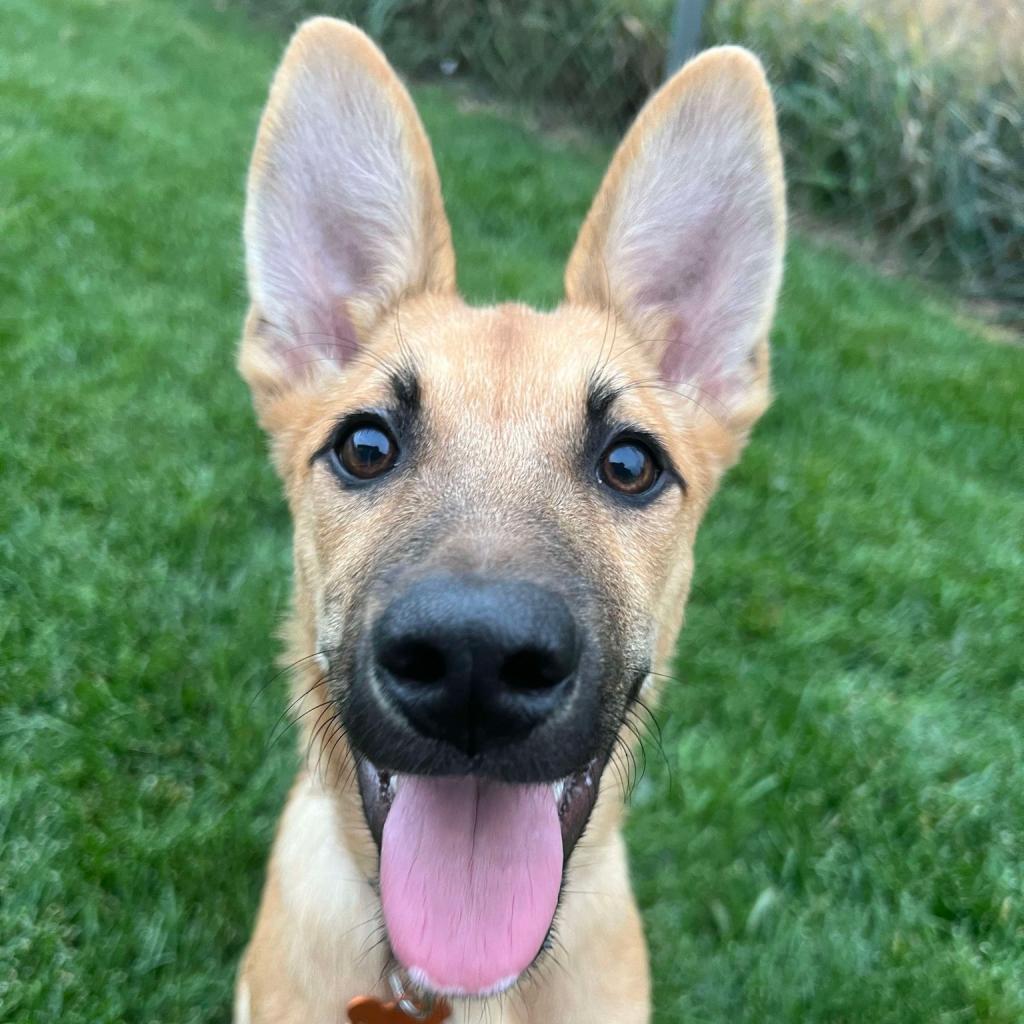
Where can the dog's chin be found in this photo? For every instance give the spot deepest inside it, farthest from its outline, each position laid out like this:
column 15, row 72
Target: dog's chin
column 515, row 829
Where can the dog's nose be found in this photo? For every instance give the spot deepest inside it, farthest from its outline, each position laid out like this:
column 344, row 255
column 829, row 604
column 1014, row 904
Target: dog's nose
column 476, row 663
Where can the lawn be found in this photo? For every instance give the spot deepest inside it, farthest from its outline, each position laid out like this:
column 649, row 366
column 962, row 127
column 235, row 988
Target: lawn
column 835, row 830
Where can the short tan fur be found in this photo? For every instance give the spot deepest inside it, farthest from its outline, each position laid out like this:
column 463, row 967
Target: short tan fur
column 670, row 293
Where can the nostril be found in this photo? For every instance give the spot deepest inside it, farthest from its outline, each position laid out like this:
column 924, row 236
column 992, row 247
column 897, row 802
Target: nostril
column 415, row 661
column 531, row 669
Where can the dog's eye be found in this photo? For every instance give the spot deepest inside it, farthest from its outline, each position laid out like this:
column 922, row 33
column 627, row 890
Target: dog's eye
column 365, row 451
column 629, row 467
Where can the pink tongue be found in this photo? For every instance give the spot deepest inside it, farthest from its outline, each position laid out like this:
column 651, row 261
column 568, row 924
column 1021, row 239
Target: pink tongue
column 469, row 876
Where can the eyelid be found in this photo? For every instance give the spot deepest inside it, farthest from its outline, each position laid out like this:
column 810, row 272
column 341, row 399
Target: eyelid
column 379, row 418
column 624, row 433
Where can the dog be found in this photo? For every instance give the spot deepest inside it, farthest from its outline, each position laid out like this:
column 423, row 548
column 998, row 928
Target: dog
column 494, row 515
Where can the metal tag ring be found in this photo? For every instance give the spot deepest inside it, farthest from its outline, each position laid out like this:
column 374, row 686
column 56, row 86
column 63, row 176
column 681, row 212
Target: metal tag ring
column 406, row 1003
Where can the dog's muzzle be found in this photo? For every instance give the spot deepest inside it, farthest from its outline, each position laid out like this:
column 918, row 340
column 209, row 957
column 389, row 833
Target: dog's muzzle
column 474, row 714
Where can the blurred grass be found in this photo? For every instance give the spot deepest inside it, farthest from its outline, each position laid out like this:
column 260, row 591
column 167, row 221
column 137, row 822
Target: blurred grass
column 842, row 836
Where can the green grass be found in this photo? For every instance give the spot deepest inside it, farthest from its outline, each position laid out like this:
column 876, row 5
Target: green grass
column 842, row 839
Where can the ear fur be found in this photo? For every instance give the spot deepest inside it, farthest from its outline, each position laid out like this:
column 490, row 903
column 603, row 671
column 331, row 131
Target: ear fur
column 685, row 238
column 344, row 213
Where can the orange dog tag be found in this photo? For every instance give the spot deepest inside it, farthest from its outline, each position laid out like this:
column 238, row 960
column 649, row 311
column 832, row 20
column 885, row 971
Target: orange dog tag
column 367, row 1010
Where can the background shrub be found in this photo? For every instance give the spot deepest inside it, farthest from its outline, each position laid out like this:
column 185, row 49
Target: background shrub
column 598, row 58
column 904, row 131
column 905, row 119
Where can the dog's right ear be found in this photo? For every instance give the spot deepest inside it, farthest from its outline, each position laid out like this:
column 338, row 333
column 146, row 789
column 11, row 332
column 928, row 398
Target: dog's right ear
column 343, row 214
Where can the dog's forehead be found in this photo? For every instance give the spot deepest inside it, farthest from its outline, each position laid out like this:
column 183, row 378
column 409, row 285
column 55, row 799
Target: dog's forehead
column 512, row 365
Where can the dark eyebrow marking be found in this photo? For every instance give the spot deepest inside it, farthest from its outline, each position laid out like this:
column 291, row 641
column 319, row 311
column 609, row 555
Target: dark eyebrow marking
column 405, row 386
column 601, row 394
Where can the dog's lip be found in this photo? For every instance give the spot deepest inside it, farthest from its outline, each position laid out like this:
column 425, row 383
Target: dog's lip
column 575, row 794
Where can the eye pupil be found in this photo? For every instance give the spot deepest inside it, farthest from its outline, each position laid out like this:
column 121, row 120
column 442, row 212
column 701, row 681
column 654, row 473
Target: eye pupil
column 629, row 467
column 366, row 451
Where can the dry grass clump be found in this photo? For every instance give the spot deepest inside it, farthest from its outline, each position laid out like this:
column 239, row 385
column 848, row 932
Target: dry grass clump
column 901, row 117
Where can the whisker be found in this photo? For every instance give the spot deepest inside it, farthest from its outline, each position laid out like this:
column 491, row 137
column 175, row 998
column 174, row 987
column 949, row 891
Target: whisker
column 291, row 704
column 676, row 392
column 617, row 761
column 643, row 749
column 634, row 768
column 670, row 678
column 403, row 347
column 610, row 319
column 295, row 721
column 288, row 668
column 349, row 348
column 329, row 736
column 366, row 953
column 339, row 735
column 323, row 723
column 654, row 730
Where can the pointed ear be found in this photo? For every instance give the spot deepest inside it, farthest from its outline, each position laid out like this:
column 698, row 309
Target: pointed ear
column 685, row 238
column 343, row 214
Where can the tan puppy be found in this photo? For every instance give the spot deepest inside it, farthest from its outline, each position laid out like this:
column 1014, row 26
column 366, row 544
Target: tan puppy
column 494, row 515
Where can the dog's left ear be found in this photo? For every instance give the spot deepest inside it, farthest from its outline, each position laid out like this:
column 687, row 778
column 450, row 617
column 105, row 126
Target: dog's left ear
column 343, row 215
column 685, row 238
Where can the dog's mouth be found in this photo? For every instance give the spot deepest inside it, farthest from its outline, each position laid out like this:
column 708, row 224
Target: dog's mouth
column 471, row 870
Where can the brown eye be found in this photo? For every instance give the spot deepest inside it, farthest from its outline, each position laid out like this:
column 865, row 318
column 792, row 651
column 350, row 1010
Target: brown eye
column 366, row 451
column 629, row 467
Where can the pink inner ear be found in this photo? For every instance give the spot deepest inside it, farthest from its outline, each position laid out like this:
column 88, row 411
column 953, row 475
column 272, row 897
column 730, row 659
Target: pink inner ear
column 710, row 279
column 324, row 336
column 707, row 281
column 334, row 218
column 690, row 362
column 681, row 358
column 694, row 247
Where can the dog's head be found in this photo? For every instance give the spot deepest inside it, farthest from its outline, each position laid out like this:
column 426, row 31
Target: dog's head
column 495, row 508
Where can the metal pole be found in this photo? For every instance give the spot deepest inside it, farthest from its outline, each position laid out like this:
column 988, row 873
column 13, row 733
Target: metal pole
column 685, row 41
